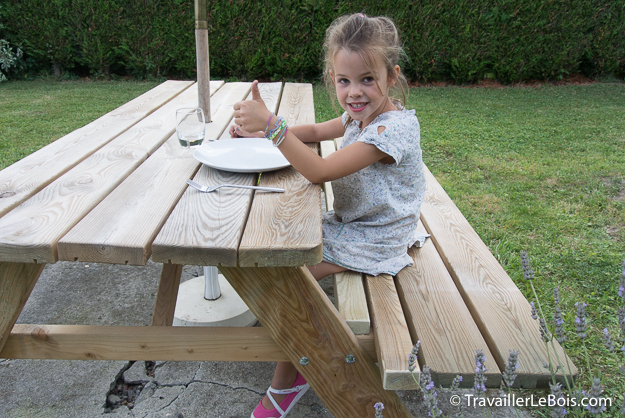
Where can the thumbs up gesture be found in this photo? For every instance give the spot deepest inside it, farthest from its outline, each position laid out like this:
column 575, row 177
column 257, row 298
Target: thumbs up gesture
column 252, row 115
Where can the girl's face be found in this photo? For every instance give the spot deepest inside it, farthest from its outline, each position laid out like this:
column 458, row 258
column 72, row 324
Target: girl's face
column 356, row 87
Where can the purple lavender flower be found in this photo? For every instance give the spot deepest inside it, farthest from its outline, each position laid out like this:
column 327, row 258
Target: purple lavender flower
column 608, row 340
column 412, row 357
column 623, row 406
column 379, row 407
column 544, row 331
column 556, row 410
column 534, row 311
column 528, row 274
column 412, row 362
column 559, row 325
column 621, row 289
column 621, row 320
column 597, row 406
column 622, row 368
column 478, row 387
column 456, row 384
column 430, row 397
column 580, row 320
column 556, row 296
column 509, row 375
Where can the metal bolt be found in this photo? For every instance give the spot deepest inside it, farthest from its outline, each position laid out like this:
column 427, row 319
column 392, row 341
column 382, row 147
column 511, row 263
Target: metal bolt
column 350, row 359
column 304, row 361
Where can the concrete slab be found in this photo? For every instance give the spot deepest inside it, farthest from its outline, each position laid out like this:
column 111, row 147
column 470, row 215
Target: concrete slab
column 100, row 294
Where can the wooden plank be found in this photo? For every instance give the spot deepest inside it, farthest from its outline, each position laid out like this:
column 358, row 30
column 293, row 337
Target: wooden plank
column 325, row 149
column 93, row 342
column 267, row 241
column 17, row 280
column 392, row 338
column 26, row 177
column 31, row 231
column 351, row 301
column 498, row 307
column 270, row 92
column 206, row 228
column 146, row 198
column 438, row 317
column 166, row 296
column 301, row 319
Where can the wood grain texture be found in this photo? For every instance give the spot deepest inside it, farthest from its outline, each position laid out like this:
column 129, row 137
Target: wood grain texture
column 166, row 295
column 351, row 301
column 498, row 307
column 285, row 229
column 31, row 231
column 392, row 338
column 438, row 317
column 122, row 227
column 26, row 177
column 325, row 149
column 92, row 342
column 205, row 229
column 298, row 315
column 17, row 280
column 270, row 93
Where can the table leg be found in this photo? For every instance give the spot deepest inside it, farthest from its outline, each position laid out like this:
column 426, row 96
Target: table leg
column 17, row 280
column 291, row 305
column 166, row 295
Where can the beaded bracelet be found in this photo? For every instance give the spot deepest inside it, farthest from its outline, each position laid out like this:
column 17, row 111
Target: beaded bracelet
column 277, row 127
column 268, row 121
column 274, row 133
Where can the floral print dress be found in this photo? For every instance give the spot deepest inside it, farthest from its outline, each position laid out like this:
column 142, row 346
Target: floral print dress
column 377, row 208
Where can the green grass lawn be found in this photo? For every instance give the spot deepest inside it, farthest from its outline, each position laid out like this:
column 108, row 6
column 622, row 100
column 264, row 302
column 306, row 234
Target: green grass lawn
column 535, row 169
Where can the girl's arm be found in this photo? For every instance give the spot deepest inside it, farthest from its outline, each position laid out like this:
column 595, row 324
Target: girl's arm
column 313, row 132
column 252, row 116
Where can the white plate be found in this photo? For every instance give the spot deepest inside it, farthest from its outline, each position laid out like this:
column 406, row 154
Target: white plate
column 241, row 155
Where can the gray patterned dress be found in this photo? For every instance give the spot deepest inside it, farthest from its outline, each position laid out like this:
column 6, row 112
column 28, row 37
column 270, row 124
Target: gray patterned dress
column 377, row 208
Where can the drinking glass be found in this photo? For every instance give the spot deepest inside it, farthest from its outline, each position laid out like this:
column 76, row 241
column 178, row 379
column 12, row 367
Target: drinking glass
column 190, row 126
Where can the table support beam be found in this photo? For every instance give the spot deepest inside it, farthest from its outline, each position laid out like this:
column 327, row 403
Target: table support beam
column 141, row 343
column 17, row 280
column 293, row 308
column 166, row 296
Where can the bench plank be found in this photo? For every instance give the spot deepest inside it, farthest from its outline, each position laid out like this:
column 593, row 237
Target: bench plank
column 325, row 149
column 392, row 338
column 297, row 206
column 146, row 199
column 351, row 301
column 32, row 173
column 438, row 317
column 95, row 342
column 30, row 232
column 213, row 234
column 498, row 307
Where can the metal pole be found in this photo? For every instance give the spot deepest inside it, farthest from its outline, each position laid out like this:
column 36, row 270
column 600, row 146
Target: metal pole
column 212, row 291
column 201, row 49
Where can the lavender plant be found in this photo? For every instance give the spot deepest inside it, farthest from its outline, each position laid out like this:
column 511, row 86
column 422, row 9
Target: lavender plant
column 379, row 407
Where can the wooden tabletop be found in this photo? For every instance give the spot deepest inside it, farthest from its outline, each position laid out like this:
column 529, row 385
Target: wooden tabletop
column 115, row 192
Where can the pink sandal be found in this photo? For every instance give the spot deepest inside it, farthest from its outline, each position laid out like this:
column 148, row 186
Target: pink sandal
column 294, row 394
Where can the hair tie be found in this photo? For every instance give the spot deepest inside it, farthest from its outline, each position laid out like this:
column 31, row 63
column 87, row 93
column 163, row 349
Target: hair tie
column 361, row 15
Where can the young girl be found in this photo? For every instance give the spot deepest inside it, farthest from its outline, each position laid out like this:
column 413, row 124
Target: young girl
column 377, row 174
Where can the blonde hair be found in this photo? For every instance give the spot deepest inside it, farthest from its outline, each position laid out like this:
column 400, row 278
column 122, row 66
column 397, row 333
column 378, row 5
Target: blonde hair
column 377, row 42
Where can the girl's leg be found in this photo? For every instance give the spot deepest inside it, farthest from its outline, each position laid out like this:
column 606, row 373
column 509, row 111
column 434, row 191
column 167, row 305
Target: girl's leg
column 286, row 373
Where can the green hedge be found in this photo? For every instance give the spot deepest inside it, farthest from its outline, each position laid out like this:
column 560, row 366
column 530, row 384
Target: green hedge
column 461, row 41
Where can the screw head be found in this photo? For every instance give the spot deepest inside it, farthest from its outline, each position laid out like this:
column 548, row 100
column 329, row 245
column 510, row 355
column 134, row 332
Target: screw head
column 304, row 361
column 350, row 359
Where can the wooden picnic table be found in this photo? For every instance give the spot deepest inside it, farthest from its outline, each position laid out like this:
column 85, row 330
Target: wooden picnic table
column 114, row 192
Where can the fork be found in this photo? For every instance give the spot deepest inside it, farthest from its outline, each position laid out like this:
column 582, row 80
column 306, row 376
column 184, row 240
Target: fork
column 207, row 189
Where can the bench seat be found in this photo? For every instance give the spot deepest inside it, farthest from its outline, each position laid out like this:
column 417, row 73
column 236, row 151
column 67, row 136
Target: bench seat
column 455, row 299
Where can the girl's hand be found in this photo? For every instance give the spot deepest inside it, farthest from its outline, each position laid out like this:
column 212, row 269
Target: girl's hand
column 236, row 132
column 252, row 115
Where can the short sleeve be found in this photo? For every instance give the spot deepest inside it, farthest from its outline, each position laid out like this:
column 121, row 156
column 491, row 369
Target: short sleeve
column 395, row 137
